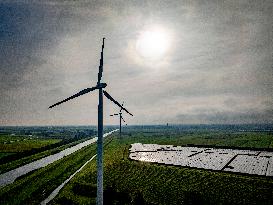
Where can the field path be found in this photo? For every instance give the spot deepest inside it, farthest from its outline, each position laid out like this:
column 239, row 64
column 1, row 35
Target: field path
column 10, row 176
column 56, row 191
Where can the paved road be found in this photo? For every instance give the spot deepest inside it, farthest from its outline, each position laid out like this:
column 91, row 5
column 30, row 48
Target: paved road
column 9, row 177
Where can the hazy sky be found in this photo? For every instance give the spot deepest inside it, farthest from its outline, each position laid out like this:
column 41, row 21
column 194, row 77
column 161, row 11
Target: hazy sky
column 217, row 67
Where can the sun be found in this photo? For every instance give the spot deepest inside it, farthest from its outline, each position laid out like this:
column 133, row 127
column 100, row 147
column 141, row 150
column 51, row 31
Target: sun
column 153, row 44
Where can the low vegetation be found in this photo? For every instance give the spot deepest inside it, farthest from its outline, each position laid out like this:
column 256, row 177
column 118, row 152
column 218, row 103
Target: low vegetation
column 17, row 144
column 5, row 167
column 133, row 182
column 22, row 145
column 34, row 187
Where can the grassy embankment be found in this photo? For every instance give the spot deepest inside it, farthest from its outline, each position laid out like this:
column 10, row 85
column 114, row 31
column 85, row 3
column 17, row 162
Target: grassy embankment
column 36, row 186
column 25, row 160
column 132, row 182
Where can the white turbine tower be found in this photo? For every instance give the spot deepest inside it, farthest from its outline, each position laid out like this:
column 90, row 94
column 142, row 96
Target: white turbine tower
column 100, row 86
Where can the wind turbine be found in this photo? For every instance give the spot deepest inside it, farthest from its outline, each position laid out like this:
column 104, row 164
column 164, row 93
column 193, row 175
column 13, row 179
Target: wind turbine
column 120, row 118
column 100, row 86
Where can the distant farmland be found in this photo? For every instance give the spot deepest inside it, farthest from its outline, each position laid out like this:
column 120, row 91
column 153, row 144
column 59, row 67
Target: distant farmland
column 10, row 144
column 22, row 145
column 134, row 182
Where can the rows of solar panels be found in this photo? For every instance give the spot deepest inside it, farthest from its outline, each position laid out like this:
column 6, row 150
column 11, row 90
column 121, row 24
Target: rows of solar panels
column 243, row 161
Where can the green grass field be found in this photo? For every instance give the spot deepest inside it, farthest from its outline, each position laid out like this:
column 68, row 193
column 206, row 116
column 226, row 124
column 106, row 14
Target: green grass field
column 14, row 144
column 35, row 186
column 132, row 182
column 25, row 160
column 20, row 146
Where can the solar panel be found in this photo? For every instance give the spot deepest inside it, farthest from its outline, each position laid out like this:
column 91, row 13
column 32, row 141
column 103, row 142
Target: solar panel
column 243, row 161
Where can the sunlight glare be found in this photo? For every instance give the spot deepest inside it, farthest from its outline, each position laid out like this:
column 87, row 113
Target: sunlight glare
column 153, row 44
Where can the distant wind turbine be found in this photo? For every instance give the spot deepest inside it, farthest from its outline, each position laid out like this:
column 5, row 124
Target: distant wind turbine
column 120, row 118
column 100, row 86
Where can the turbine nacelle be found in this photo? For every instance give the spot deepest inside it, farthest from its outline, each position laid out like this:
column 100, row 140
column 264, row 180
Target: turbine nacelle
column 101, row 85
column 114, row 115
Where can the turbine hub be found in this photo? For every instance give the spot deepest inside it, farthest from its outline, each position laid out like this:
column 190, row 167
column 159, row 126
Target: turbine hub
column 101, row 85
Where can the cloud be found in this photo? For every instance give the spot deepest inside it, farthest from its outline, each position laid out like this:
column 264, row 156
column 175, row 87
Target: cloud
column 219, row 68
column 220, row 117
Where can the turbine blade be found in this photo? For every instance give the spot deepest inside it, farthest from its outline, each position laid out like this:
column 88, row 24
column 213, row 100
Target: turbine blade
column 116, row 102
column 122, row 106
column 101, row 63
column 84, row 91
column 122, row 119
column 114, row 114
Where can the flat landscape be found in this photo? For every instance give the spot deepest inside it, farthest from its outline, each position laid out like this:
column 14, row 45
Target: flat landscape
column 10, row 144
column 22, row 145
column 128, row 181
column 136, row 102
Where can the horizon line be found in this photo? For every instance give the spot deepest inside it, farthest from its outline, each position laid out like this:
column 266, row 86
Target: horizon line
column 169, row 124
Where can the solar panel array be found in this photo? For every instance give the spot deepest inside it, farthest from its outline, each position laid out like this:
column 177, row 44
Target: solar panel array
column 243, row 161
column 248, row 164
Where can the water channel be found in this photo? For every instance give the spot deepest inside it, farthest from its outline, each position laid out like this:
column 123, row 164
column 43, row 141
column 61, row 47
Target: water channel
column 10, row 176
